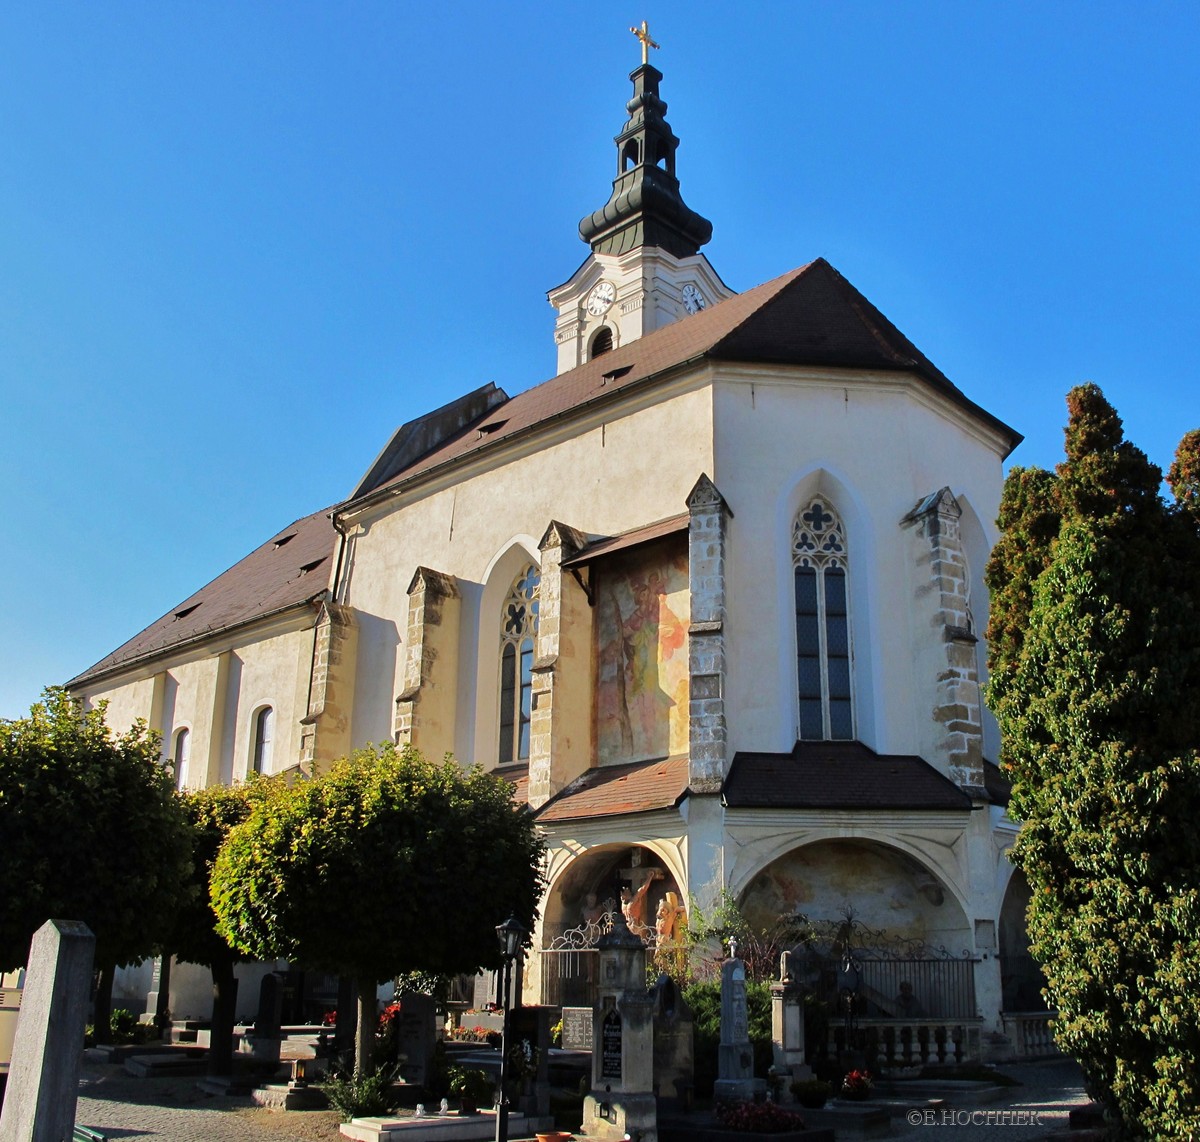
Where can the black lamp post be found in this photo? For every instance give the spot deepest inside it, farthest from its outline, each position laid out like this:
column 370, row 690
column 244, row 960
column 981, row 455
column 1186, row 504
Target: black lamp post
column 510, row 934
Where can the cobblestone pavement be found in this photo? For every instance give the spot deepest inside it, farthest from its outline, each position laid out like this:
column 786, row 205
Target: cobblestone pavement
column 175, row 1111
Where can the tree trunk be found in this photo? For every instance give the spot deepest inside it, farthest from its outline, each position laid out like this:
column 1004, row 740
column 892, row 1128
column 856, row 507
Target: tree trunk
column 346, row 1030
column 364, row 1040
column 224, row 1013
column 102, row 1009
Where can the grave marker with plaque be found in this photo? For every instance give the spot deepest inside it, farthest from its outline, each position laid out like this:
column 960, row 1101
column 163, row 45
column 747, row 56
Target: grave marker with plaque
column 577, row 1028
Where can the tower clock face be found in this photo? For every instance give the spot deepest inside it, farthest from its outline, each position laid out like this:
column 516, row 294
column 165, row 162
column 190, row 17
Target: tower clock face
column 693, row 299
column 601, row 298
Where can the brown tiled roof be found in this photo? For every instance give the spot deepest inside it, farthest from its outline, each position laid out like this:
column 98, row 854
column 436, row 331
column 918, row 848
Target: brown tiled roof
column 809, row 316
column 290, row 569
column 610, row 790
column 518, row 777
column 599, row 547
column 838, row 775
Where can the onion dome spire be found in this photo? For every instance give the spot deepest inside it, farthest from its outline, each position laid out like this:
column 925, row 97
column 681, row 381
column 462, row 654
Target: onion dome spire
column 645, row 208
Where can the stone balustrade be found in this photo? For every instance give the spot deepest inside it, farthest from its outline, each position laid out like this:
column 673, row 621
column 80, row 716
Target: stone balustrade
column 1030, row 1034
column 912, row 1042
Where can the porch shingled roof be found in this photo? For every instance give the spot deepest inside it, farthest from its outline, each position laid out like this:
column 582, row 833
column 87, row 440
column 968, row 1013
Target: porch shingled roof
column 838, row 775
column 610, row 790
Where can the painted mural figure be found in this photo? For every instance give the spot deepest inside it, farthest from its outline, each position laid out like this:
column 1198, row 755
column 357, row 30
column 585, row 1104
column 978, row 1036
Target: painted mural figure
column 642, row 700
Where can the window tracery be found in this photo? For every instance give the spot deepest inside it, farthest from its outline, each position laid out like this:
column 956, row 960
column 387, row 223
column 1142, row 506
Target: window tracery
column 823, row 652
column 518, row 629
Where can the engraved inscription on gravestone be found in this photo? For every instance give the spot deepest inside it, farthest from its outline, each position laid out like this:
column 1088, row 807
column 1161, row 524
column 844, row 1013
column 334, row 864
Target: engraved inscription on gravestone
column 740, row 1030
column 577, row 1029
column 610, row 1046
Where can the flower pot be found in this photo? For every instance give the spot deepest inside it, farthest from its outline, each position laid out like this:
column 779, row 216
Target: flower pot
column 555, row 1136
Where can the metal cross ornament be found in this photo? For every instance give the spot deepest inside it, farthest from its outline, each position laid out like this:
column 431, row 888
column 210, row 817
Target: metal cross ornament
column 643, row 34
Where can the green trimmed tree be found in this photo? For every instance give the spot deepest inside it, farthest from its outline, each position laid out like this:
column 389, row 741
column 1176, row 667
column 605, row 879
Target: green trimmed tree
column 388, row 864
column 91, row 831
column 1095, row 679
column 211, row 813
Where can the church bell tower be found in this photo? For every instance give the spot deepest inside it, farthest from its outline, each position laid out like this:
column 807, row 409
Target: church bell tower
column 645, row 269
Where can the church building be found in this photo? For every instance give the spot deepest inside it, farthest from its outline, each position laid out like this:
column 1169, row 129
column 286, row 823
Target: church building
column 711, row 597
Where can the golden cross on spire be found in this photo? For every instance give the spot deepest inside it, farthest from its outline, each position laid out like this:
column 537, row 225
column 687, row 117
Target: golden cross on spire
column 643, row 34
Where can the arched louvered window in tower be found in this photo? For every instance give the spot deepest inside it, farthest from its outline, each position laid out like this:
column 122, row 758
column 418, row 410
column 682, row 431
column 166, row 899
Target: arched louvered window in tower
column 518, row 629
column 824, row 673
column 602, row 343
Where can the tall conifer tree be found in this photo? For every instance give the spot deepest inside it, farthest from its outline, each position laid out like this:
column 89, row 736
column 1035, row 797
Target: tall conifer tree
column 1095, row 665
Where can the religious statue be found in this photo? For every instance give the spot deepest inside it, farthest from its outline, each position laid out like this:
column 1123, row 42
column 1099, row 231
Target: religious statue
column 590, row 916
column 668, row 919
column 633, row 904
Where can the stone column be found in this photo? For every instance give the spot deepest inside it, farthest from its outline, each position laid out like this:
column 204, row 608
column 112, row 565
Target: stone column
column 957, row 705
column 621, row 1104
column 325, row 728
column 560, row 746
column 425, row 707
column 43, row 1082
column 708, row 760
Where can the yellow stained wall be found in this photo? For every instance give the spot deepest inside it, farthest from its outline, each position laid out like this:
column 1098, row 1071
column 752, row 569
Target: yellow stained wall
column 603, row 477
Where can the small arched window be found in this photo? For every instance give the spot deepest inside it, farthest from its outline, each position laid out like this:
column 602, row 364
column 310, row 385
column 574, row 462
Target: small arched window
column 629, row 156
column 823, row 652
column 264, row 733
column 602, row 343
column 518, row 629
column 180, row 755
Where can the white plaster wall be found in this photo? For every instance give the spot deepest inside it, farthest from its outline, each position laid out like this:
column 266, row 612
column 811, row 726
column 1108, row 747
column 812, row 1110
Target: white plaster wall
column 271, row 672
column 127, row 701
column 875, row 444
column 267, row 668
column 604, row 476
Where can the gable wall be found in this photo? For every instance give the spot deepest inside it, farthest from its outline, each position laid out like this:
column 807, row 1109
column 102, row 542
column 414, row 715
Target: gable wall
column 875, row 445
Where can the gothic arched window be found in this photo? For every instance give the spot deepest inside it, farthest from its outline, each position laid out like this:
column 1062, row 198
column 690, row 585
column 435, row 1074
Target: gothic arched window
column 518, row 628
column 264, row 732
column 823, row 674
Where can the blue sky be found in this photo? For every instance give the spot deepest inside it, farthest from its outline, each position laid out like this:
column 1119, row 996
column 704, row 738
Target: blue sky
column 241, row 242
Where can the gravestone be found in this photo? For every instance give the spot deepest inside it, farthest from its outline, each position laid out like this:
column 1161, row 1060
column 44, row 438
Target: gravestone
column 529, row 1032
column 577, row 1028
column 264, row 1044
column 735, row 1055
column 621, row 1103
column 43, row 1082
column 415, row 1034
column 674, row 1049
column 787, row 1027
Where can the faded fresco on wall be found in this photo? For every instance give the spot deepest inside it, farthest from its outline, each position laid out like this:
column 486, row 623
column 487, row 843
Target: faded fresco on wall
column 641, row 647
column 885, row 890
